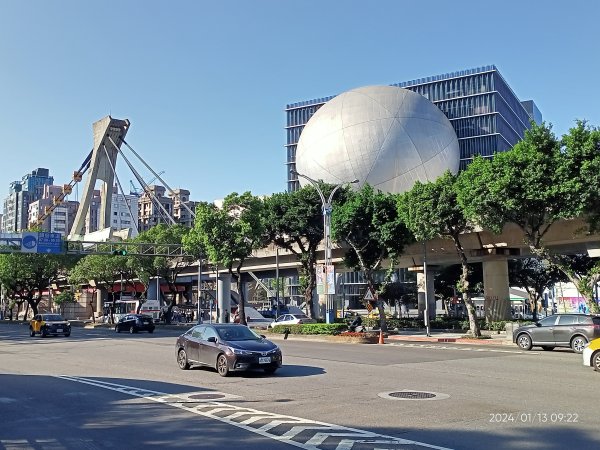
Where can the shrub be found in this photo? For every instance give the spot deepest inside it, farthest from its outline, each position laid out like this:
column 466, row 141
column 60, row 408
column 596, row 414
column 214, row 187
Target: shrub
column 311, row 328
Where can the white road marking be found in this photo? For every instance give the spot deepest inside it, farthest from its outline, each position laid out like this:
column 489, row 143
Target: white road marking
column 321, row 431
column 464, row 349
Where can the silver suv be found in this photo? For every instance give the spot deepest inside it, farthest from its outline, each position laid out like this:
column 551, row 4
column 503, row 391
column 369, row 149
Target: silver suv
column 559, row 330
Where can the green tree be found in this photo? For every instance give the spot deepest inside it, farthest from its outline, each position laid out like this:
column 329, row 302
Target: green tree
column 431, row 210
column 27, row 275
column 64, row 298
column 534, row 185
column 229, row 235
column 294, row 222
column 368, row 222
column 167, row 268
column 535, row 276
column 101, row 270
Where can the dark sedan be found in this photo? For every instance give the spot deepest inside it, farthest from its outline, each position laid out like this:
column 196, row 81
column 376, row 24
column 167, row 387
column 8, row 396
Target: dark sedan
column 134, row 323
column 227, row 348
column 559, row 330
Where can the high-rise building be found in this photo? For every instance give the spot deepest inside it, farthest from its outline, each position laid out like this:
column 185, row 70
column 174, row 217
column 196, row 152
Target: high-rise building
column 150, row 213
column 124, row 212
column 180, row 213
column 20, row 195
column 61, row 216
column 484, row 111
column 171, row 207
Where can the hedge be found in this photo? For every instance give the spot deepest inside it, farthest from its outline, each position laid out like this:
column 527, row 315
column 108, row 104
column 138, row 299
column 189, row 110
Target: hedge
column 439, row 323
column 311, row 328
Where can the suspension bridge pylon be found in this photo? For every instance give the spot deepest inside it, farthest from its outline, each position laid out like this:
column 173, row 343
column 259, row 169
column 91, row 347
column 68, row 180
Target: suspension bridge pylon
column 108, row 136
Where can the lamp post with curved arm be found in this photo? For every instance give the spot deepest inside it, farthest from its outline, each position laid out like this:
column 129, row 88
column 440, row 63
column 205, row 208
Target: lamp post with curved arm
column 326, row 206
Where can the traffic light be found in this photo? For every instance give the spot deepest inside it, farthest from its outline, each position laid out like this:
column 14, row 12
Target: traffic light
column 121, row 252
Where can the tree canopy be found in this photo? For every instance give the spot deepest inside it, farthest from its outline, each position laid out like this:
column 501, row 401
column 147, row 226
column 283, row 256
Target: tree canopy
column 368, row 222
column 294, row 221
column 230, row 234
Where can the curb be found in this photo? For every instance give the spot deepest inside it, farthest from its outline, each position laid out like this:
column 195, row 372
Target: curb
column 454, row 340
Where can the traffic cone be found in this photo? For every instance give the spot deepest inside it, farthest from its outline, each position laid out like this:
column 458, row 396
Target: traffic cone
column 381, row 337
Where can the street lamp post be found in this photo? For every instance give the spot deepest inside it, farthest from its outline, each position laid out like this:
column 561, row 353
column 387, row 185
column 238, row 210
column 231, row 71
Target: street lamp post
column 326, row 206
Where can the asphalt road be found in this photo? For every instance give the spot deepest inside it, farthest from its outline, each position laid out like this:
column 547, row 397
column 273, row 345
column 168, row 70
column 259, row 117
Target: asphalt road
column 101, row 390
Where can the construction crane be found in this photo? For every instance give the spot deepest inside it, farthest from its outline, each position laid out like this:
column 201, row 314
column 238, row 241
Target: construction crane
column 139, row 191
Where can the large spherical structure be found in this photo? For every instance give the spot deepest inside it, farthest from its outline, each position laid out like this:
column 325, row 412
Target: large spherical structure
column 386, row 136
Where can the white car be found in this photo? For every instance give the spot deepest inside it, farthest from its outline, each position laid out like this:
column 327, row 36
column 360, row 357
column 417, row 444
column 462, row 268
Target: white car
column 292, row 319
column 591, row 354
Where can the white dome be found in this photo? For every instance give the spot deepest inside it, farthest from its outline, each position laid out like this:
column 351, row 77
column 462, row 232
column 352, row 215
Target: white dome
column 386, row 136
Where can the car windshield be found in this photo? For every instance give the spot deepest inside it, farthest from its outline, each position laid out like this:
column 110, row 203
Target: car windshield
column 52, row 318
column 240, row 333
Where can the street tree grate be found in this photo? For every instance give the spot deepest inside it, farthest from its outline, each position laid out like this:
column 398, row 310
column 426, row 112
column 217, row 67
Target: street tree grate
column 412, row 395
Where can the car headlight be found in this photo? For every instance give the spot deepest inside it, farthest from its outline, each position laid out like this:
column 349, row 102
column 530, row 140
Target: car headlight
column 238, row 351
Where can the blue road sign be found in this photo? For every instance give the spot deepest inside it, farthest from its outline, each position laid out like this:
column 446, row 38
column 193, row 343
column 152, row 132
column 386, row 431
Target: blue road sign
column 49, row 243
column 29, row 242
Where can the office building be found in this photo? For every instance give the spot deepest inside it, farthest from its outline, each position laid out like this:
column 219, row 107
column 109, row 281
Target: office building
column 20, row 195
column 484, row 111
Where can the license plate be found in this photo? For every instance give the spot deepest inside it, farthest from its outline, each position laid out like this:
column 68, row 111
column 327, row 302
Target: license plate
column 265, row 360
column 59, row 330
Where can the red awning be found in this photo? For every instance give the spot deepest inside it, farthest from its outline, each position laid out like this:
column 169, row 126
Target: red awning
column 127, row 287
column 165, row 288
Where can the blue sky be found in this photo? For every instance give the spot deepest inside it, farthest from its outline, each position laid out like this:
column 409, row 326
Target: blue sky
column 205, row 84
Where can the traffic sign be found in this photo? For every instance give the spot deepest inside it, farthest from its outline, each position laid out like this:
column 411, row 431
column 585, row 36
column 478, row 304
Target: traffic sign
column 369, row 295
column 49, row 243
column 41, row 242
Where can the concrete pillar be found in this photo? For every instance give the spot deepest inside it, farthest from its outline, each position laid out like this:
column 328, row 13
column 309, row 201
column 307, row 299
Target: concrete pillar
column 244, row 288
column 224, row 297
column 99, row 303
column 496, row 288
column 430, row 294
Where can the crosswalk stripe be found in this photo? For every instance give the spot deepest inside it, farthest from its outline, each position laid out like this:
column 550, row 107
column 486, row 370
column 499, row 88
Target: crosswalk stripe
column 320, row 431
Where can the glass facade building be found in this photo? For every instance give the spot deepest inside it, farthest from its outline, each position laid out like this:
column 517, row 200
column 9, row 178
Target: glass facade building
column 484, row 111
column 486, row 114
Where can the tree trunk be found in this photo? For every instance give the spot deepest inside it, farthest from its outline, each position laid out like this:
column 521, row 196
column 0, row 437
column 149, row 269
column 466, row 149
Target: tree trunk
column 464, row 288
column 308, row 292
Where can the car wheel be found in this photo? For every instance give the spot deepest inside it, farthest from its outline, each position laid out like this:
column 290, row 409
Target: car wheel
column 44, row 333
column 270, row 370
column 222, row 366
column 578, row 344
column 596, row 361
column 117, row 329
column 182, row 360
column 131, row 329
column 524, row 341
column 547, row 348
column 68, row 334
column 31, row 332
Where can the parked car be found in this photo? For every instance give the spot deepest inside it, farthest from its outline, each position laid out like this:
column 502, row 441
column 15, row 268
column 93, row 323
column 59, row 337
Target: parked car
column 46, row 324
column 292, row 319
column 591, row 355
column 134, row 323
column 559, row 330
column 227, row 347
